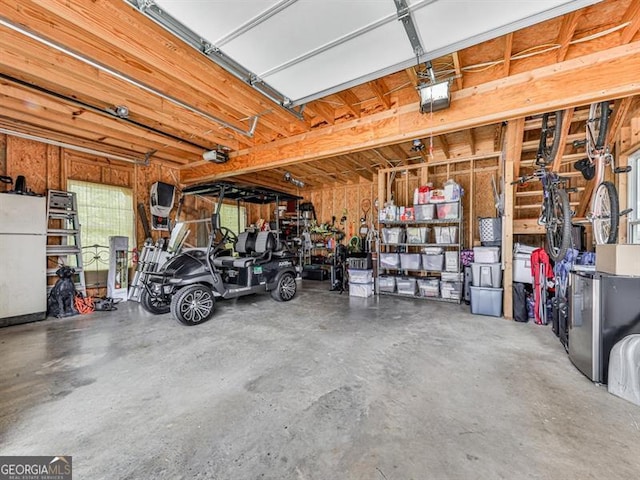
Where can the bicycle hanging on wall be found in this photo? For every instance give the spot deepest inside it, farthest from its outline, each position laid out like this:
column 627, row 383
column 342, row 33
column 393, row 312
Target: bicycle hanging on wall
column 604, row 214
column 555, row 214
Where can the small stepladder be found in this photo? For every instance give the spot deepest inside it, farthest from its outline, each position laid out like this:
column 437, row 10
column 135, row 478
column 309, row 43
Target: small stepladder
column 148, row 263
column 64, row 224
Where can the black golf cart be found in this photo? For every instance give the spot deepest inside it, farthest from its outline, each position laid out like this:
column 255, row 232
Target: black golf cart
column 189, row 283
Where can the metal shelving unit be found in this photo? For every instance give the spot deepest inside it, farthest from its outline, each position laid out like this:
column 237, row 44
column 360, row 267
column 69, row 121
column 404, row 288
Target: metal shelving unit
column 410, row 247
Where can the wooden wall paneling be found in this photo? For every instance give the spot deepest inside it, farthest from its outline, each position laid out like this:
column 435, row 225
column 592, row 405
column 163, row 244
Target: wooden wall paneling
column 54, row 168
column 3, row 154
column 471, row 211
column 352, row 206
column 28, row 158
column 339, row 200
column 327, row 205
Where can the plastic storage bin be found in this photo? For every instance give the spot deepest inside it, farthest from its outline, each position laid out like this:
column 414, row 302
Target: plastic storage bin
column 433, row 263
column 448, row 234
column 486, row 275
column 451, row 261
column 406, row 286
column 360, row 276
column 360, row 289
column 522, row 268
column 393, row 235
column 448, row 210
column 429, row 287
column 417, row 234
column 451, row 290
column 424, row 212
column 486, row 301
column 387, row 284
column 624, row 369
column 486, row 254
column 410, row 261
column 389, row 260
column 490, row 229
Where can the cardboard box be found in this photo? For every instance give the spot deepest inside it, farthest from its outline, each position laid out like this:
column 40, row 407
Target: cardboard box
column 618, row 259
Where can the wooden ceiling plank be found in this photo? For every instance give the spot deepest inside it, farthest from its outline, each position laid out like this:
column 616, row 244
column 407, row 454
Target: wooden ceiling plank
column 592, row 77
column 381, row 91
column 565, row 35
column 566, row 125
column 508, row 50
column 631, row 15
column 444, row 145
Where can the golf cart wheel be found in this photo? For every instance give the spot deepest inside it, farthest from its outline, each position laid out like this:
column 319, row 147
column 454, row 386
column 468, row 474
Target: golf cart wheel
column 286, row 288
column 153, row 304
column 193, row 305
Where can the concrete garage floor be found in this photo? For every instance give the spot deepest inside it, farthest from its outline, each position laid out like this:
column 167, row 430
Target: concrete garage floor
column 325, row 387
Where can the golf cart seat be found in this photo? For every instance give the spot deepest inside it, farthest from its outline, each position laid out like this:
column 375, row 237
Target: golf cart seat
column 245, row 246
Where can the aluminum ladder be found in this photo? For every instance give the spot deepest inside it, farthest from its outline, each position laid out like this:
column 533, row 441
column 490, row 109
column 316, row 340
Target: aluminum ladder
column 63, row 224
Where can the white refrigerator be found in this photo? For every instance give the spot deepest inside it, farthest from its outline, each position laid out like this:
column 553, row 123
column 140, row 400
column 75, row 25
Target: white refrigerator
column 23, row 261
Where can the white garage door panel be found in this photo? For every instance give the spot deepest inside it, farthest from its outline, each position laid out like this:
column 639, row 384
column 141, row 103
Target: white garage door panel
column 305, row 49
column 389, row 43
column 304, row 27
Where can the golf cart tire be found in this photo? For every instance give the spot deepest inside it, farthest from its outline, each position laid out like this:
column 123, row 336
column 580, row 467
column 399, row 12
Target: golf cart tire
column 286, row 288
column 150, row 306
column 193, row 305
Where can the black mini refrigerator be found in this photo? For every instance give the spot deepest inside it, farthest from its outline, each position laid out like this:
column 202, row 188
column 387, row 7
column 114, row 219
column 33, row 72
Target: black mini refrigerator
column 603, row 310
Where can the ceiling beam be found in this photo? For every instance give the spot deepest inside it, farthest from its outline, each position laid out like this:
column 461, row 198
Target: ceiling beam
column 472, row 140
column 351, row 102
column 598, row 76
column 444, row 145
column 380, row 90
column 323, row 110
column 458, row 70
column 618, row 118
column 413, row 80
column 567, row 29
column 508, row 48
column 632, row 15
column 564, row 133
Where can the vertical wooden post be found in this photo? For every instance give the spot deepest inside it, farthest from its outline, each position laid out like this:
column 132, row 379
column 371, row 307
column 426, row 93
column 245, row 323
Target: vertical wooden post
column 511, row 154
column 472, row 213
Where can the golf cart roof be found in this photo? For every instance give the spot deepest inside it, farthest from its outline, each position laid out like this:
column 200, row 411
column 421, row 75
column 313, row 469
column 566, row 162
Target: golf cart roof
column 244, row 193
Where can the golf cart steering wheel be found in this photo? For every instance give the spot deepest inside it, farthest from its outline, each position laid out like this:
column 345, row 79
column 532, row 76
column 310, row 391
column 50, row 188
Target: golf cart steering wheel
column 226, row 236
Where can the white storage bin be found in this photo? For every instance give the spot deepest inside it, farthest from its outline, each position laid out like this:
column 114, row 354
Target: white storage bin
column 360, row 276
column 406, row 286
column 389, row 260
column 360, row 289
column 417, row 234
column 452, row 277
column 451, row 261
column 429, row 287
column 424, row 212
column 448, row 210
column 451, row 290
column 387, row 284
column 486, row 254
column 393, row 235
column 486, row 301
column 624, row 369
column 432, row 263
column 410, row 261
column 448, row 234
column 486, row 275
column 522, row 268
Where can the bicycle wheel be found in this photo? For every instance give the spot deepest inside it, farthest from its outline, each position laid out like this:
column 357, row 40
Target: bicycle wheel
column 549, row 137
column 597, row 125
column 606, row 212
column 558, row 225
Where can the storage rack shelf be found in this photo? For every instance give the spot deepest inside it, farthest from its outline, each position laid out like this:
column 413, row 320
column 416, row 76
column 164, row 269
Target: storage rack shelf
column 401, row 246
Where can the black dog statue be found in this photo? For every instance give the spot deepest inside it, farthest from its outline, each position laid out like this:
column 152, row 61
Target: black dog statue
column 61, row 301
